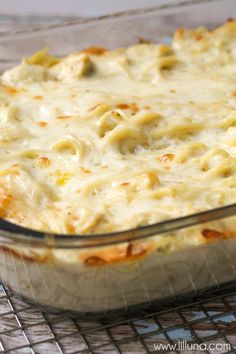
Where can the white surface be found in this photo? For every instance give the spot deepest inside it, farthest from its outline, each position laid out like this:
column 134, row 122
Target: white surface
column 73, row 7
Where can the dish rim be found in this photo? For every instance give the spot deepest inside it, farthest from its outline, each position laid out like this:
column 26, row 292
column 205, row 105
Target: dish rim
column 21, row 234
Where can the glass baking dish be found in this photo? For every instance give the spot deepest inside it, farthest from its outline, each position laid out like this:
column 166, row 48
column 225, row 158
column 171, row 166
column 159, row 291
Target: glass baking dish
column 98, row 274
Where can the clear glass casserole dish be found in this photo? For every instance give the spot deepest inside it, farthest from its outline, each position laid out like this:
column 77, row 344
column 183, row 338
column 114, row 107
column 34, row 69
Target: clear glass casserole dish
column 101, row 273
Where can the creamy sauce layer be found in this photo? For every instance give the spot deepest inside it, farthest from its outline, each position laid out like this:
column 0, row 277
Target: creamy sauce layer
column 103, row 141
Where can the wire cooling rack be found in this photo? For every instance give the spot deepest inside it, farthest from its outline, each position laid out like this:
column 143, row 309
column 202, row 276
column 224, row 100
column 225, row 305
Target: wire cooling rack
column 211, row 318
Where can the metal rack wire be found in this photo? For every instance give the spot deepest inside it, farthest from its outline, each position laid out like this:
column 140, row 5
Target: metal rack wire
column 208, row 319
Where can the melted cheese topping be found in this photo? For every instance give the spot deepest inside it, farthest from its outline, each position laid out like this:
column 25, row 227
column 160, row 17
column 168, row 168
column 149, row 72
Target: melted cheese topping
column 103, row 141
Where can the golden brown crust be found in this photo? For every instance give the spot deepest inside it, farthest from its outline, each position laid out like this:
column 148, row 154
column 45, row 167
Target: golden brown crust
column 95, row 50
column 213, row 235
column 134, row 107
column 47, row 257
column 117, row 254
column 11, row 90
column 43, row 162
column 166, row 157
column 144, row 41
column 179, row 33
column 5, row 201
column 62, row 117
column 123, row 106
column 42, row 124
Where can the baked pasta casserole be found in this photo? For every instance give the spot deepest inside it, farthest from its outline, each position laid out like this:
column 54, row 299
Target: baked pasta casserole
column 103, row 141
